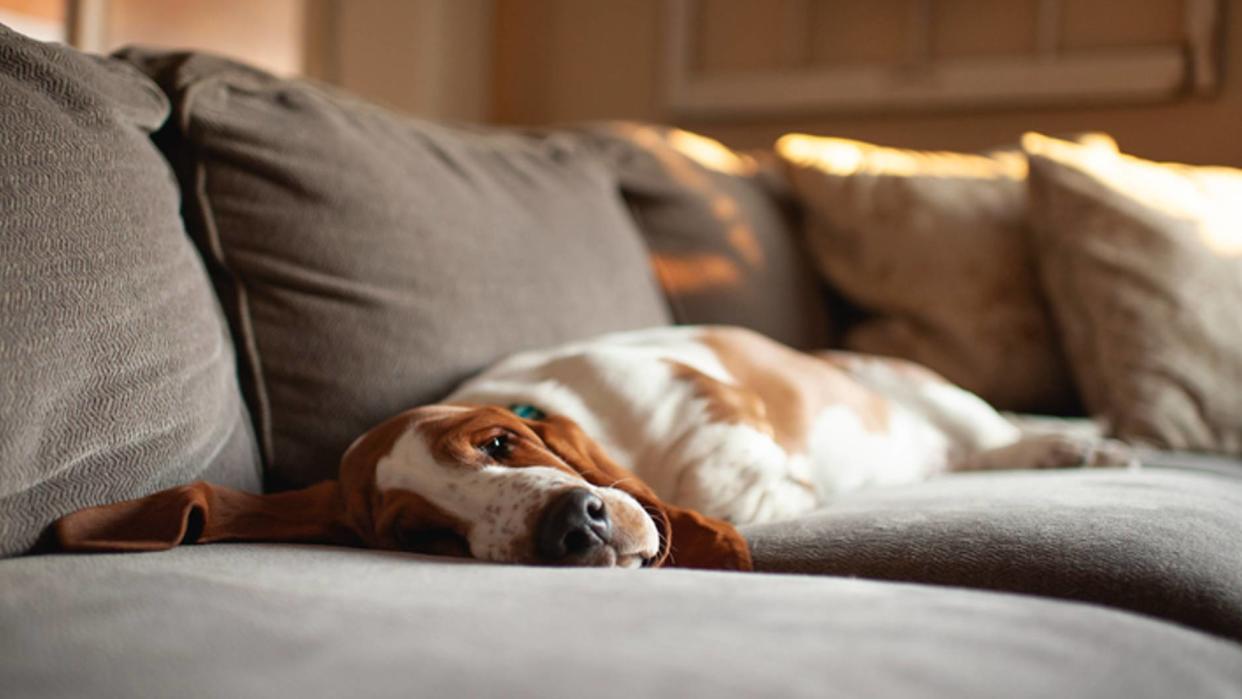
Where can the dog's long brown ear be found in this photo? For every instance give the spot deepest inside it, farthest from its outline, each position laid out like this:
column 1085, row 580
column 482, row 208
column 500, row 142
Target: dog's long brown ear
column 688, row 539
column 699, row 541
column 204, row 513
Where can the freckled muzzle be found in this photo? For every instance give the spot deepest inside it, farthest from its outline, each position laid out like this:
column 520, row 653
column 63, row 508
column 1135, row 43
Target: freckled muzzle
column 575, row 529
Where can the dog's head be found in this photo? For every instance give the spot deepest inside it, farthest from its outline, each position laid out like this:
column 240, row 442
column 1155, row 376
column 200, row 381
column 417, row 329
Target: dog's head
column 465, row 480
column 507, row 489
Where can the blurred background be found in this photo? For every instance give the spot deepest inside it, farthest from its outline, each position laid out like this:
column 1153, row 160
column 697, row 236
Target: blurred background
column 1163, row 76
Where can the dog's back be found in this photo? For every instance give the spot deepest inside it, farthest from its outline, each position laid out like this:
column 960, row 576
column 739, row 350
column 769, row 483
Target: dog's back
column 728, row 422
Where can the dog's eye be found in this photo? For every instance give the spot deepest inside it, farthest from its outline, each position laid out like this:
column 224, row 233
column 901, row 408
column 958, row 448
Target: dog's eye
column 497, row 448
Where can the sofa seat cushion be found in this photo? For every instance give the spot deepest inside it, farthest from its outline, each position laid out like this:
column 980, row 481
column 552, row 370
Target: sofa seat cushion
column 370, row 261
column 116, row 372
column 294, row 621
column 1159, row 541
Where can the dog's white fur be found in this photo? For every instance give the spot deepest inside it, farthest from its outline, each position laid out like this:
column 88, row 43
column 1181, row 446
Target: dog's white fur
column 630, row 392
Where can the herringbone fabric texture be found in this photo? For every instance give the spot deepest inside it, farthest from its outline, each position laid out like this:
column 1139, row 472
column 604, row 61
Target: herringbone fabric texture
column 116, row 375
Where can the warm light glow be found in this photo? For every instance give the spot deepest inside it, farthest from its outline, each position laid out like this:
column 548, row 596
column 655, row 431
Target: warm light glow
column 1222, row 234
column 1090, row 151
column 1098, row 141
column 1208, row 197
column 679, row 152
column 653, row 141
column 842, row 157
column 695, row 274
column 710, row 154
column 742, row 239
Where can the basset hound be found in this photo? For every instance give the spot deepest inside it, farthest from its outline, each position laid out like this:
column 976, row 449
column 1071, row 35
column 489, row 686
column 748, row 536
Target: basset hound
column 632, row 449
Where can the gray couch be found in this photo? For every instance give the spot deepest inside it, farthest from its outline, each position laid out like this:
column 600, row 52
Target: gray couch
column 213, row 273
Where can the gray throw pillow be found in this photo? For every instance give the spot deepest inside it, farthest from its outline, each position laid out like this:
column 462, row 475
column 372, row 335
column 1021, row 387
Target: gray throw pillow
column 116, row 374
column 722, row 229
column 370, row 261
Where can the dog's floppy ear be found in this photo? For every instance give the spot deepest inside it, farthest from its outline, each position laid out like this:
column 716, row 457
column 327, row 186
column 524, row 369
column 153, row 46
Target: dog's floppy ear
column 687, row 538
column 205, row 513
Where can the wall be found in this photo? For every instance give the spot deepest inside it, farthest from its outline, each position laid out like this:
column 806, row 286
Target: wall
column 534, row 62
column 561, row 60
column 426, row 57
column 266, row 33
column 569, row 60
column 41, row 19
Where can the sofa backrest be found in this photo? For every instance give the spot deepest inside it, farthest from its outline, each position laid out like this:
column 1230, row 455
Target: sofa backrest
column 369, row 261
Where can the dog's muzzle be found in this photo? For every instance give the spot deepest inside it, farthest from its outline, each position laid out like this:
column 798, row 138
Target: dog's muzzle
column 575, row 529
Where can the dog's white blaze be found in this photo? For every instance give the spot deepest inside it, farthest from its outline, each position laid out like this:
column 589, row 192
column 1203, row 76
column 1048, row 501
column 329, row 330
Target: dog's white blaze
column 496, row 502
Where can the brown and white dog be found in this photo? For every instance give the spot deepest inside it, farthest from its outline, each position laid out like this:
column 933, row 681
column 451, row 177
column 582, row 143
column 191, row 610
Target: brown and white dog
column 630, row 449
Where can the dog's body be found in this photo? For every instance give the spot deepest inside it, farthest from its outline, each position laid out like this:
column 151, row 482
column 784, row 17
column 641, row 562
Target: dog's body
column 729, row 423
column 610, row 452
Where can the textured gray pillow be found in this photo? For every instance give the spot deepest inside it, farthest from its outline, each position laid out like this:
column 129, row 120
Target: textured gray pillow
column 724, row 241
column 370, row 261
column 116, row 375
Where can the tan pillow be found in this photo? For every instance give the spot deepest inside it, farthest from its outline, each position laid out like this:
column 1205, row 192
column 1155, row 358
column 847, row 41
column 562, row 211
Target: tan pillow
column 1142, row 262
column 934, row 246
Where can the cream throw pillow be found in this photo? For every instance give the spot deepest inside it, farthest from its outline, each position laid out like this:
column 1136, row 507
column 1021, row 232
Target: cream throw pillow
column 934, row 246
column 1142, row 263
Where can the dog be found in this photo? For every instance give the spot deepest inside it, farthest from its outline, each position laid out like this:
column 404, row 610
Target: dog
column 732, row 424
column 633, row 449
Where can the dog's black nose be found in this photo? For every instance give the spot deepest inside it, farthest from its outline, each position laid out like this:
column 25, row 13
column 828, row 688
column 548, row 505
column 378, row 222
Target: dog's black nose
column 576, row 523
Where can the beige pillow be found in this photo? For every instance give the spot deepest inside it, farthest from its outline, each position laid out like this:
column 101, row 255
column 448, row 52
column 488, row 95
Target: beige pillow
column 1142, row 263
column 933, row 245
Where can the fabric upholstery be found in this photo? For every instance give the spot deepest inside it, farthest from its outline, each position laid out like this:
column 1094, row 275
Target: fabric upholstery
column 1155, row 541
column 722, row 231
column 296, row 621
column 369, row 261
column 934, row 247
column 116, row 375
column 1142, row 263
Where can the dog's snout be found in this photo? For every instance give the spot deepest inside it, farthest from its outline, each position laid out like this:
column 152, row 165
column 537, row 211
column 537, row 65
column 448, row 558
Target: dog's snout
column 575, row 525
